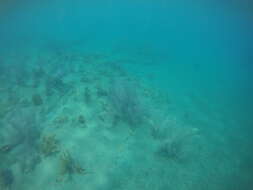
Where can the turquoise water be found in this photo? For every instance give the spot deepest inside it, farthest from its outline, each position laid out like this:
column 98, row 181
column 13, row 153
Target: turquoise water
column 126, row 95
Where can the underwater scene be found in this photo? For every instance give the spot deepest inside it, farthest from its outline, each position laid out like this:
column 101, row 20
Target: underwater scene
column 126, row 95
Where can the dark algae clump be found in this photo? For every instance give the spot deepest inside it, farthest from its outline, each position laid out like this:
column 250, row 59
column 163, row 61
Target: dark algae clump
column 6, row 179
column 37, row 100
column 68, row 167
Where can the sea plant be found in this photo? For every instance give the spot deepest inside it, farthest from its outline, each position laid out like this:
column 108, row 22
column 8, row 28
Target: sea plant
column 68, row 167
column 61, row 120
column 6, row 179
column 160, row 128
column 37, row 100
column 49, row 145
column 174, row 147
column 126, row 103
column 4, row 109
column 56, row 84
column 87, row 96
column 21, row 137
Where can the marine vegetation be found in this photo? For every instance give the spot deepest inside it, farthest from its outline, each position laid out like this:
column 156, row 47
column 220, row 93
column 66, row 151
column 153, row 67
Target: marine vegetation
column 37, row 100
column 87, row 95
column 4, row 109
column 20, row 139
column 68, row 167
column 126, row 103
column 175, row 146
column 6, row 179
column 81, row 121
column 61, row 120
column 160, row 128
column 171, row 149
column 49, row 145
column 56, row 84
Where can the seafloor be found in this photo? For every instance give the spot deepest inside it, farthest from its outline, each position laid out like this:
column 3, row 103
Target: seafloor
column 77, row 119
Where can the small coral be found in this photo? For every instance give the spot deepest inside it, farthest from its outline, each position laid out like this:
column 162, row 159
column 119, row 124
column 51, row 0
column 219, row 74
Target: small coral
column 68, row 167
column 49, row 145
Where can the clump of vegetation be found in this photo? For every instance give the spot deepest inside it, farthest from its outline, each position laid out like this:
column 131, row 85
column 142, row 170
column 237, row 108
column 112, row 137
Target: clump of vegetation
column 61, row 120
column 87, row 95
column 6, row 179
column 101, row 92
column 55, row 83
column 81, row 120
column 126, row 103
column 37, row 100
column 21, row 75
column 160, row 129
column 68, row 167
column 174, row 148
column 39, row 73
column 4, row 109
column 49, row 145
column 21, row 138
